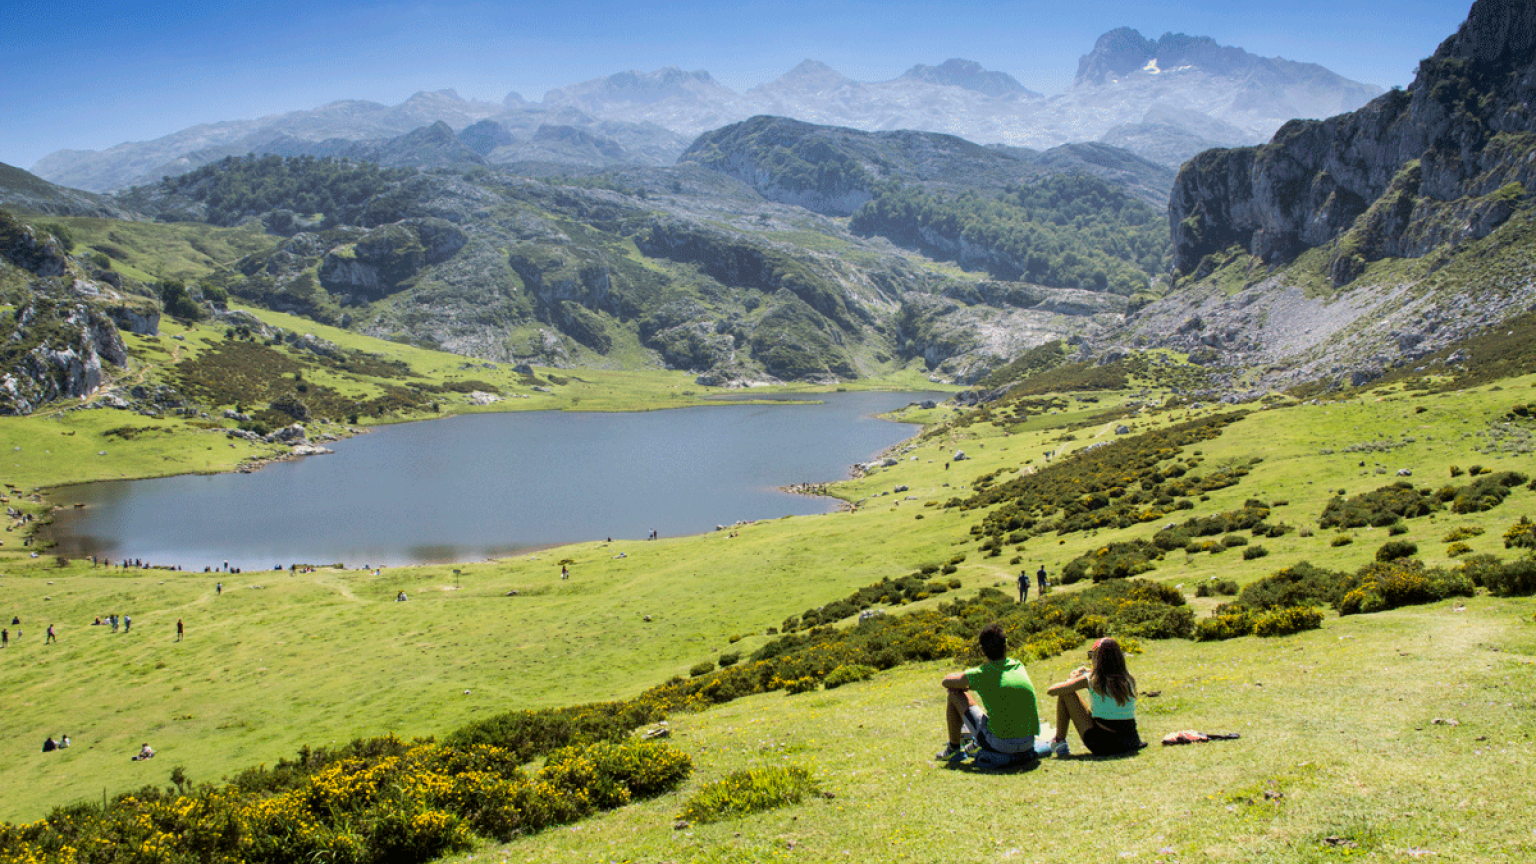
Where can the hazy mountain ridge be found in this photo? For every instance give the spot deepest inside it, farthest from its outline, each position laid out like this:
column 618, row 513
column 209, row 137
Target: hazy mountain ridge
column 652, row 116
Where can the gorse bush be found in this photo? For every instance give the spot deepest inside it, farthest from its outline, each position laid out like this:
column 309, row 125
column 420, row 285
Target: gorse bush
column 1402, row 582
column 384, row 800
column 1283, row 622
column 751, row 791
column 847, row 675
column 1115, row 561
column 1521, row 535
column 1221, row 625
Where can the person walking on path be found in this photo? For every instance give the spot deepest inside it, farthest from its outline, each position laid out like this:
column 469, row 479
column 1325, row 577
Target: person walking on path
column 1040, row 578
column 1023, row 585
column 52, row 637
column 5, row 638
column 218, row 589
column 127, row 623
column 178, row 630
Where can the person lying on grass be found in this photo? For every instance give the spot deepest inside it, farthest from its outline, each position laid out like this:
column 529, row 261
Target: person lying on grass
column 1106, row 719
column 1006, row 722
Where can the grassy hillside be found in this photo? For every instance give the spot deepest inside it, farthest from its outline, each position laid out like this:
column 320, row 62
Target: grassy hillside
column 280, row 661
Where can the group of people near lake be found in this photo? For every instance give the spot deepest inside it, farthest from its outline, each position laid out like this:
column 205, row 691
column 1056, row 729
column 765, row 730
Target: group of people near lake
column 995, row 706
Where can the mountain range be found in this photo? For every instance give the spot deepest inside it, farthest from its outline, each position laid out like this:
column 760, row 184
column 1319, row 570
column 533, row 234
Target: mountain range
column 1163, row 99
column 772, row 248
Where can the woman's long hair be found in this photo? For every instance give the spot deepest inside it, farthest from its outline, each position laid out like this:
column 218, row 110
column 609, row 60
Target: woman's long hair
column 1109, row 676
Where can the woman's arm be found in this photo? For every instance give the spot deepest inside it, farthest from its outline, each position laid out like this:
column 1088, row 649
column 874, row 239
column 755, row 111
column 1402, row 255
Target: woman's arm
column 1078, row 681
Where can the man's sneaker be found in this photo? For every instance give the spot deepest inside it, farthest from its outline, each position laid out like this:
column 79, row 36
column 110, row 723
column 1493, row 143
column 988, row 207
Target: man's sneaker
column 950, row 753
column 1060, row 750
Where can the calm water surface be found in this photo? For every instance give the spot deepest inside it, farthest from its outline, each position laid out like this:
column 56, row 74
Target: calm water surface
column 484, row 485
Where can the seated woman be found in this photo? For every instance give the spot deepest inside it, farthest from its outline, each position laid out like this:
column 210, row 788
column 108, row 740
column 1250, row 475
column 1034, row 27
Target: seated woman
column 1106, row 720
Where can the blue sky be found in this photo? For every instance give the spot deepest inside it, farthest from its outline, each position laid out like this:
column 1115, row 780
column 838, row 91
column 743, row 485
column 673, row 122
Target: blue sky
column 90, row 76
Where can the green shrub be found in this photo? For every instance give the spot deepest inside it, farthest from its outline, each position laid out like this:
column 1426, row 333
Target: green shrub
column 751, row 791
column 1214, row 587
column 1397, row 529
column 1486, row 492
column 703, row 668
column 1301, row 584
column 1233, row 540
column 1456, row 550
column 1462, row 532
column 1395, row 549
column 1512, row 579
column 1282, row 622
column 847, row 675
column 728, row 660
column 1380, row 507
column 1476, row 568
column 1254, row 552
column 1342, row 540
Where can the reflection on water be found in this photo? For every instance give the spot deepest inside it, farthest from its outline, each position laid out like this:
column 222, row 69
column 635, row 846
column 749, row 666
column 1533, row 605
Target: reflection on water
column 489, row 485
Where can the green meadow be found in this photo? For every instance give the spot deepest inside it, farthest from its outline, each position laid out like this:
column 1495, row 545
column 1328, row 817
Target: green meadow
column 1390, row 736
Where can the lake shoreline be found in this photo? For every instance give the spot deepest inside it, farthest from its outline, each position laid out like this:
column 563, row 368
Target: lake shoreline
column 342, row 529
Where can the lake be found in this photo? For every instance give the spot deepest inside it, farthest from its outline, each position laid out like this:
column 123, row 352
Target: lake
column 488, row 485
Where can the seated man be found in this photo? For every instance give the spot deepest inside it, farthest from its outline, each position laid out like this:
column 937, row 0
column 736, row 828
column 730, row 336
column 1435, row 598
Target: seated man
column 1005, row 731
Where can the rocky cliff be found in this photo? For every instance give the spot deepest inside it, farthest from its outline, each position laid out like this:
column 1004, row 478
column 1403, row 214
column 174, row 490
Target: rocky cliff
column 53, row 342
column 1448, row 160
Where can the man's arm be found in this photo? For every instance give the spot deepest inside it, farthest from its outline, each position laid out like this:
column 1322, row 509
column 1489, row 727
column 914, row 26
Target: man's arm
column 956, row 681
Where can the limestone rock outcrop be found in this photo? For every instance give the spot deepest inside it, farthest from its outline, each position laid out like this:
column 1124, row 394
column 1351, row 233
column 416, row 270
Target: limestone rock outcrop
column 1444, row 161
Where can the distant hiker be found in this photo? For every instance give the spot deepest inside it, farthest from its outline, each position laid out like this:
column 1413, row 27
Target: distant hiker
column 1040, row 577
column 1107, row 720
column 178, row 630
column 127, row 623
column 565, row 572
column 5, row 638
column 50, row 745
column 145, row 752
column 112, row 619
column 218, row 589
column 1023, row 585
column 400, row 598
column 1006, row 722
column 51, row 636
